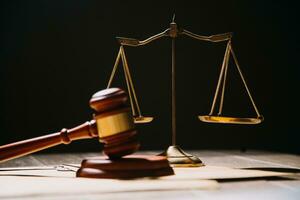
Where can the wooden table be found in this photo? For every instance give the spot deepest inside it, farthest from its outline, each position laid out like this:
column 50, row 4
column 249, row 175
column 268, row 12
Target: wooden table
column 284, row 187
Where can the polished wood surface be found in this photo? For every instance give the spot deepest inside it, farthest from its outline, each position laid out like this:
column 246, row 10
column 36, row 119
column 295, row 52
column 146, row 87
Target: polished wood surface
column 128, row 167
column 65, row 136
column 106, row 103
column 234, row 189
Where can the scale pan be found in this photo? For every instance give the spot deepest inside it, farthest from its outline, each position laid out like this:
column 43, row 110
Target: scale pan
column 229, row 120
column 142, row 120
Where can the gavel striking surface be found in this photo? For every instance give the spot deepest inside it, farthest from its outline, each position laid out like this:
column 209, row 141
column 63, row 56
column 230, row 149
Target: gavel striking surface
column 128, row 167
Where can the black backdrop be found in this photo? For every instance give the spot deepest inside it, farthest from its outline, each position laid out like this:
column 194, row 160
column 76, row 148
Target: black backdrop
column 56, row 54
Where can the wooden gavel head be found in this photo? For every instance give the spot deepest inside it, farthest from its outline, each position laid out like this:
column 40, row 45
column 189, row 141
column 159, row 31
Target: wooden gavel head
column 115, row 123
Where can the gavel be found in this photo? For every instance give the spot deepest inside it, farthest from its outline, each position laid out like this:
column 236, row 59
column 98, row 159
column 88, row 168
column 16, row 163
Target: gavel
column 113, row 124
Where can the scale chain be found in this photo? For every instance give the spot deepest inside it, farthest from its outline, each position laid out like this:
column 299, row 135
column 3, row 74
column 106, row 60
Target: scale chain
column 127, row 73
column 244, row 81
column 226, row 59
column 114, row 69
column 219, row 82
column 127, row 81
column 131, row 91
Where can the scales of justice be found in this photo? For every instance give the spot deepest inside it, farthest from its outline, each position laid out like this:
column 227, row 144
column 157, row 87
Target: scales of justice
column 175, row 155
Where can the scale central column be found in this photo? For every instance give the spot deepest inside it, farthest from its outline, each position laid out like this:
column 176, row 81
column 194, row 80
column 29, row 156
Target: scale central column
column 173, row 95
column 175, row 155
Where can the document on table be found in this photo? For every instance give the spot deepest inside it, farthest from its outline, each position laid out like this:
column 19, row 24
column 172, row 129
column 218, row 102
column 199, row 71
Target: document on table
column 192, row 173
column 41, row 181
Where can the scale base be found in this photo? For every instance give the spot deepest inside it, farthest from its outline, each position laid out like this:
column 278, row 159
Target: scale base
column 178, row 158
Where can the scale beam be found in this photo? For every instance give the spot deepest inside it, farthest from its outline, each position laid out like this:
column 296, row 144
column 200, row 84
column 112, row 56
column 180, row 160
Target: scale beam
column 135, row 42
column 174, row 32
column 212, row 38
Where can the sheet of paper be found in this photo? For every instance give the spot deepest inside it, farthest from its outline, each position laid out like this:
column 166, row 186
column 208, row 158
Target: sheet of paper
column 17, row 186
column 193, row 173
column 27, row 182
column 215, row 172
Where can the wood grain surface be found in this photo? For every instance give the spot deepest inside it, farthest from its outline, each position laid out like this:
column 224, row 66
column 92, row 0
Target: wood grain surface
column 282, row 187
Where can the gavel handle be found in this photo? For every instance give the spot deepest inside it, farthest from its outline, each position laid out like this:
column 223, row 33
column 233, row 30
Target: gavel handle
column 65, row 136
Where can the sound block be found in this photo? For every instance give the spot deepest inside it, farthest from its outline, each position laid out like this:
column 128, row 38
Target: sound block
column 128, row 167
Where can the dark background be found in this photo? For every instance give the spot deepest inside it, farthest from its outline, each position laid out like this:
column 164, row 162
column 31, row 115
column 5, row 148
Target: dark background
column 56, row 54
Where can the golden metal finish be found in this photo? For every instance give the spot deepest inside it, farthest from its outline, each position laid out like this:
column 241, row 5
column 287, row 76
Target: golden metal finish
column 173, row 95
column 222, row 80
column 141, row 119
column 134, row 42
column 112, row 124
column 135, row 107
column 212, row 38
column 178, row 158
column 230, row 120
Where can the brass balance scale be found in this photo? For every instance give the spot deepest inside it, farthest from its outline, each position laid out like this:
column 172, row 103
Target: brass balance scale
column 176, row 156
